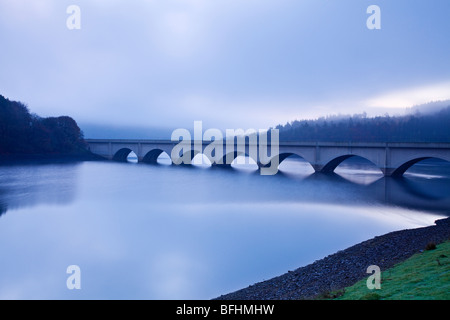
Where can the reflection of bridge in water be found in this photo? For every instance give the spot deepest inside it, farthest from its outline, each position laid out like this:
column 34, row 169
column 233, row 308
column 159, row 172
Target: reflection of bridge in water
column 424, row 194
column 393, row 159
column 427, row 194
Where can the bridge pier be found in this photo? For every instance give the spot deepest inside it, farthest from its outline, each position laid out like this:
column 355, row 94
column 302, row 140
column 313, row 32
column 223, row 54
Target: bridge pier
column 388, row 172
column 318, row 168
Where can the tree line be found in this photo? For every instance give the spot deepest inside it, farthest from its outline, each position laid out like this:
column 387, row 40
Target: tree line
column 24, row 133
column 416, row 127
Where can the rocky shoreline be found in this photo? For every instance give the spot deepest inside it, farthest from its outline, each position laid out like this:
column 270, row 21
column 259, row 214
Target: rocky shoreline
column 346, row 267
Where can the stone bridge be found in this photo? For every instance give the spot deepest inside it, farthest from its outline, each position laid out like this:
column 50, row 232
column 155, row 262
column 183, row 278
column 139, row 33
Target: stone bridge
column 393, row 159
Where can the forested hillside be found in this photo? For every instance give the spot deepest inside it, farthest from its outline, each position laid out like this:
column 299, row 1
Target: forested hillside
column 23, row 133
column 409, row 128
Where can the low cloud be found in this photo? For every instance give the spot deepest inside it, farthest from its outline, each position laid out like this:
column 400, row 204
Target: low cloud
column 409, row 97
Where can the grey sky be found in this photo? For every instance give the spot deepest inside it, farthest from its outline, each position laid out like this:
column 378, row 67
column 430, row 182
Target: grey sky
column 230, row 63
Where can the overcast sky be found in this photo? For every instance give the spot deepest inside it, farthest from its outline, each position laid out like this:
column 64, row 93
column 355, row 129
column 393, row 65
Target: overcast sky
column 230, row 63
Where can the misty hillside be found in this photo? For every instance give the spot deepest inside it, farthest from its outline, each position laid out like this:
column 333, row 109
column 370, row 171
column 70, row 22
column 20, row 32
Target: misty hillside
column 24, row 133
column 434, row 127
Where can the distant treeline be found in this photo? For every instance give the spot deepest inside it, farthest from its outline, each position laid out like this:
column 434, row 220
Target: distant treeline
column 359, row 128
column 22, row 133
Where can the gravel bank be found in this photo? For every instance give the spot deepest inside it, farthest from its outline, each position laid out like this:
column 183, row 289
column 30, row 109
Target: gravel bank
column 345, row 267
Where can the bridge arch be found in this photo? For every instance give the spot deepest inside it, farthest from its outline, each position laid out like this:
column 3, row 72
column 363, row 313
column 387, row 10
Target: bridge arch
column 189, row 155
column 230, row 157
column 400, row 170
column 331, row 165
column 285, row 155
column 201, row 159
column 121, row 155
column 151, row 157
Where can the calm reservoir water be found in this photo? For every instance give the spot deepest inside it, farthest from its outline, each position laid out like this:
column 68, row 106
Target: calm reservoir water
column 170, row 232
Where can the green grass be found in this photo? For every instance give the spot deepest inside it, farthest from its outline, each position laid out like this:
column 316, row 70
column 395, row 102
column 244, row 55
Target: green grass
column 424, row 276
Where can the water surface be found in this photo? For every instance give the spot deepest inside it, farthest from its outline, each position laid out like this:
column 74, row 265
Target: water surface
column 171, row 232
